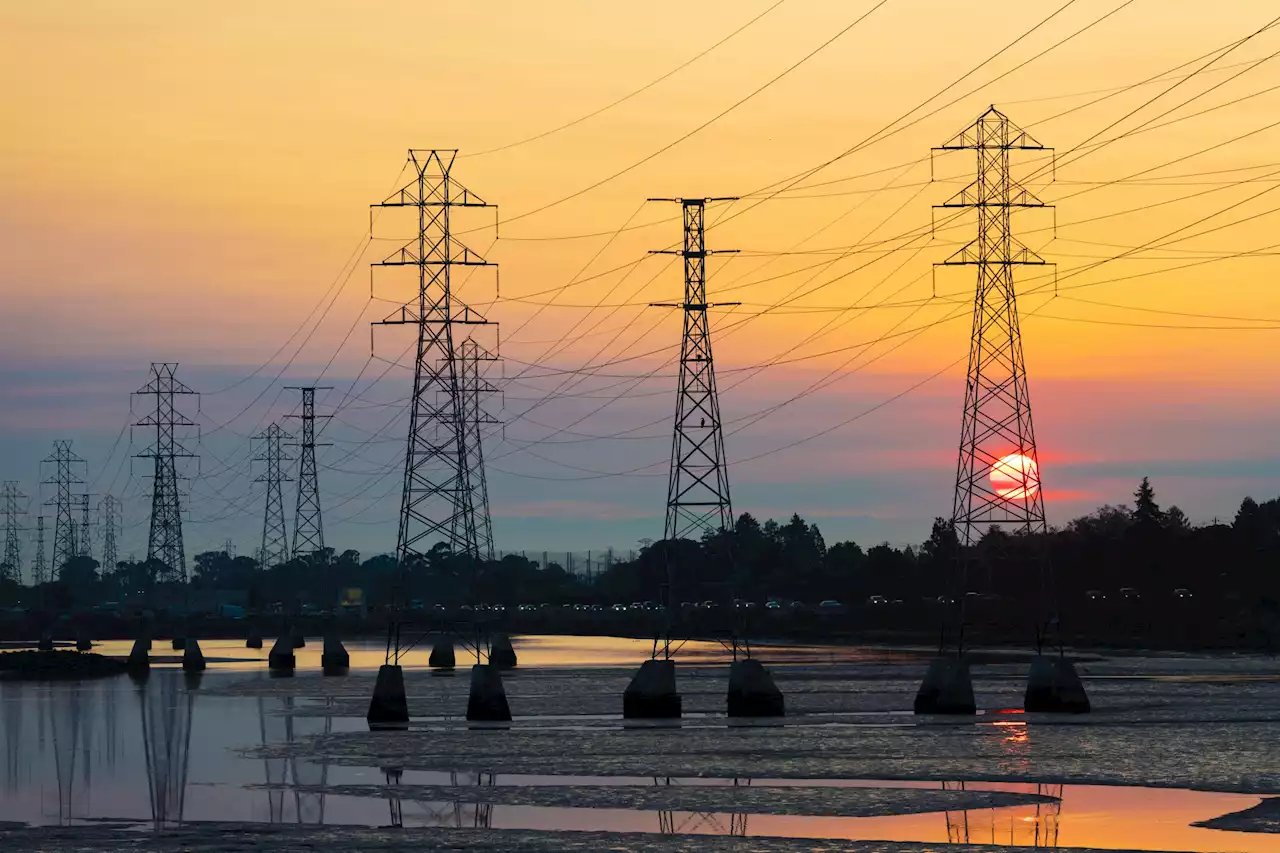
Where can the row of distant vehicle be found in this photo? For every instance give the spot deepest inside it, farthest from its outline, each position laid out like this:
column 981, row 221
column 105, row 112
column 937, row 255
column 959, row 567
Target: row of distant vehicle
column 1128, row 593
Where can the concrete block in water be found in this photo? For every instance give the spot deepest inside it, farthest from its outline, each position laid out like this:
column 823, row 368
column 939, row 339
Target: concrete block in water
column 334, row 658
column 501, row 654
column 254, row 640
column 138, row 660
column 652, row 695
column 947, row 688
column 179, row 644
column 298, row 640
column 752, row 692
column 83, row 643
column 192, row 657
column 488, row 700
column 281, row 655
column 1054, row 687
column 388, row 707
column 442, row 656
column 46, row 642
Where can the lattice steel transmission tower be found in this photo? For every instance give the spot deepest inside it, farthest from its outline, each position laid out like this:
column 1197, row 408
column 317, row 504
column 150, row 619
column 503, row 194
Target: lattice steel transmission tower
column 63, row 480
column 308, row 527
column 474, row 386
column 84, row 531
column 109, row 522
column 437, row 504
column 39, row 569
column 998, row 473
column 698, row 487
column 164, row 543
column 11, row 569
column 275, row 538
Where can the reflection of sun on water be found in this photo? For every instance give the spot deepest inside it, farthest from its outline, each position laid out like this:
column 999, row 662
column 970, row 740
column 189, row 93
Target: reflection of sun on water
column 1015, row 477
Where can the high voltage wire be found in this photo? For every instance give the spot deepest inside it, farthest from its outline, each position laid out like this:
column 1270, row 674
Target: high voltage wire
column 633, row 93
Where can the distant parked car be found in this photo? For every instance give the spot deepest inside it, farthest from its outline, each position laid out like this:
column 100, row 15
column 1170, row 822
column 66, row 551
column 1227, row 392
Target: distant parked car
column 830, row 604
column 1182, row 592
column 876, row 600
column 1128, row 592
column 1095, row 595
column 772, row 605
column 619, row 608
column 708, row 605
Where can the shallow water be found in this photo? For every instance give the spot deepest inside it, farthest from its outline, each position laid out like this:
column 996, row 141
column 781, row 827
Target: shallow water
column 172, row 751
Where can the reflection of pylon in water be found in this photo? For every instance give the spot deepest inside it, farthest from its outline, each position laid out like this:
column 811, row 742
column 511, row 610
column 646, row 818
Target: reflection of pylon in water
column 65, row 715
column 979, row 826
column 273, row 769
column 393, row 775
column 166, row 739
column 671, row 822
column 11, row 713
column 309, row 779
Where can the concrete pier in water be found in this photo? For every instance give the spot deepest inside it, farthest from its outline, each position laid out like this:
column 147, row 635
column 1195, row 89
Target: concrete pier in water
column 388, row 707
column 752, row 692
column 652, row 695
column 1054, row 687
column 947, row 688
column 138, row 660
column 488, row 699
column 192, row 657
column 281, row 657
column 442, row 656
column 501, row 653
column 334, row 659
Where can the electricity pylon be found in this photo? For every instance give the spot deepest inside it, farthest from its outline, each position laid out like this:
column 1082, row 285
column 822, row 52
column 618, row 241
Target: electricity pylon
column 308, row 528
column 63, row 479
column 109, row 521
column 39, row 569
column 698, row 483
column 698, row 486
column 164, row 543
column 11, row 569
column 275, row 538
column 470, row 356
column 998, row 472
column 437, row 504
column 84, row 533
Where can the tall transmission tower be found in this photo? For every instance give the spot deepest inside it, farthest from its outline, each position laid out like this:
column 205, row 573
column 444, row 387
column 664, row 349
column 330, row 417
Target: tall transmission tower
column 13, row 512
column 39, row 570
column 109, row 522
column 84, row 532
column 998, row 472
column 437, row 504
column 698, row 486
column 470, row 357
column 164, row 543
column 275, row 538
column 63, row 479
column 308, row 528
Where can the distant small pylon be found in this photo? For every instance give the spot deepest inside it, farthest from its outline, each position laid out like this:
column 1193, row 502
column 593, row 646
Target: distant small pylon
column 11, row 569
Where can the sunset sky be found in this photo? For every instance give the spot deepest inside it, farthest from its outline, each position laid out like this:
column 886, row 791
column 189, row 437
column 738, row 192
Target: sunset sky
column 191, row 183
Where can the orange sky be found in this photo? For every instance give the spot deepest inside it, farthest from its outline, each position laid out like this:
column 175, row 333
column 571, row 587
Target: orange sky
column 185, row 182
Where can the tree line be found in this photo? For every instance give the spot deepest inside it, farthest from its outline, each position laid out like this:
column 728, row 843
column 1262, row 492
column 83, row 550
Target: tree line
column 1146, row 549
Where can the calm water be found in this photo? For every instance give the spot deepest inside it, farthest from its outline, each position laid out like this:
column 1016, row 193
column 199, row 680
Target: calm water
column 169, row 751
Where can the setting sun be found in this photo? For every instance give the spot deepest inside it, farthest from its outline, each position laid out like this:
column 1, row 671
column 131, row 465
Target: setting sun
column 1015, row 477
